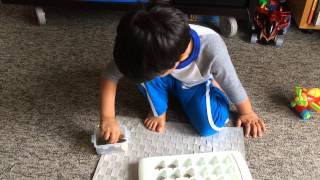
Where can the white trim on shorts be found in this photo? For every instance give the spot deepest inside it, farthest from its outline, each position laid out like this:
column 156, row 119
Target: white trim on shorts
column 208, row 103
column 150, row 101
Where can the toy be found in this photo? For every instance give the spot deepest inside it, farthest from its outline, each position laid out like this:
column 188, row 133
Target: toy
column 213, row 165
column 306, row 102
column 271, row 21
column 102, row 147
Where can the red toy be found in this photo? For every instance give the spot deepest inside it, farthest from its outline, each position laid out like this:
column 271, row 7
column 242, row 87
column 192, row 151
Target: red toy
column 271, row 21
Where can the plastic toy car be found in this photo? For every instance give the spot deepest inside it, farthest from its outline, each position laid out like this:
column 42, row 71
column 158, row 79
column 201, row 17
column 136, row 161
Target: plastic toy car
column 270, row 22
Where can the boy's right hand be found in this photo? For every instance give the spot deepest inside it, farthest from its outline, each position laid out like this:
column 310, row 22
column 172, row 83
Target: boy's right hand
column 110, row 129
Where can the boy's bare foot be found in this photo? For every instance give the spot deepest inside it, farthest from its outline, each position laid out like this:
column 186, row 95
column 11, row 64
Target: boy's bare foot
column 155, row 123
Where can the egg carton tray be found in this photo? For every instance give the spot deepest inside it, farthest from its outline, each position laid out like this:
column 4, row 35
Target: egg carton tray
column 227, row 165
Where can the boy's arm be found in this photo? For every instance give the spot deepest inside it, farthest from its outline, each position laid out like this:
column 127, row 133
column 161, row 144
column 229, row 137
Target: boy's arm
column 225, row 74
column 109, row 126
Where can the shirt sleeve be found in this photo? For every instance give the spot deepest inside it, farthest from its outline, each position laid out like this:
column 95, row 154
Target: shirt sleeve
column 224, row 72
column 111, row 72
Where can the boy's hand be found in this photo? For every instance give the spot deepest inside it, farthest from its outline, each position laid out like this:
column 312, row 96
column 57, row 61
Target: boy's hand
column 252, row 124
column 110, row 130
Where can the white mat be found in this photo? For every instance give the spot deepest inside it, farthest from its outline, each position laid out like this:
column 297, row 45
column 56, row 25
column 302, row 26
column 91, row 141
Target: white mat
column 179, row 138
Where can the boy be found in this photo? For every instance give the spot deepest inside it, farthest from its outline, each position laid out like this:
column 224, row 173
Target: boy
column 158, row 49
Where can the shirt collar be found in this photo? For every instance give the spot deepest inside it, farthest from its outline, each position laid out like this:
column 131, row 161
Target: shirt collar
column 195, row 50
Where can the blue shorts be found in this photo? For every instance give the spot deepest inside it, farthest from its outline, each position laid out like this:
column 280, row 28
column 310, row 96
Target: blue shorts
column 205, row 105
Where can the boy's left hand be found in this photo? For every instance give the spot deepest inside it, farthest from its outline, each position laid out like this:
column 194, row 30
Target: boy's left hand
column 252, row 124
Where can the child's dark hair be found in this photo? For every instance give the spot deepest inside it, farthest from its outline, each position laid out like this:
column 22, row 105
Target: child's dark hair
column 149, row 42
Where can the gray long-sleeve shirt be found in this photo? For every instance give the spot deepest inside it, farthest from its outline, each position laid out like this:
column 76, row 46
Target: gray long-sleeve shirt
column 212, row 60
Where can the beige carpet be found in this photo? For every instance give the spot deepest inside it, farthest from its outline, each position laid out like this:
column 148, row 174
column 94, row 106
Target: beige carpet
column 49, row 95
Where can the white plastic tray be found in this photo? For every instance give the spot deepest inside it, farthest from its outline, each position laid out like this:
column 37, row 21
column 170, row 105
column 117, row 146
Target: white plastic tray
column 227, row 165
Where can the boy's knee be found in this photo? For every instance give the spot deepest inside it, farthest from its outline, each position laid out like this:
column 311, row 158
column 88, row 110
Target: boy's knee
column 208, row 123
column 207, row 132
column 211, row 112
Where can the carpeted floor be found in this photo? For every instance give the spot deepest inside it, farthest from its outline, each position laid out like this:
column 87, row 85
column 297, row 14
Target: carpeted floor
column 49, row 95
